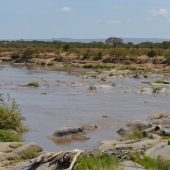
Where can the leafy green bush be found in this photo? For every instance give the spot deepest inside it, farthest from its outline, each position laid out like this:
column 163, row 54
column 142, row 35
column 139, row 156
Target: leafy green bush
column 104, row 162
column 7, row 136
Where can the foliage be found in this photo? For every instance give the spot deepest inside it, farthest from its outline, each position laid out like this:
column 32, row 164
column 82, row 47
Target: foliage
column 33, row 84
column 8, row 136
column 156, row 89
column 152, row 53
column 10, row 117
column 104, row 162
column 136, row 135
column 29, row 154
column 152, row 164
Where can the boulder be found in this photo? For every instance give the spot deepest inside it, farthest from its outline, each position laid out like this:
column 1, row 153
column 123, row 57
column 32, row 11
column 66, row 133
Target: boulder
column 160, row 119
column 160, row 150
column 67, row 131
column 130, row 165
column 146, row 90
column 27, row 147
column 158, row 115
column 90, row 127
column 132, row 126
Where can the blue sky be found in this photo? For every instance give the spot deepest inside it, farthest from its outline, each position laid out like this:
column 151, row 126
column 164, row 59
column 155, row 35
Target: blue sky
column 45, row 19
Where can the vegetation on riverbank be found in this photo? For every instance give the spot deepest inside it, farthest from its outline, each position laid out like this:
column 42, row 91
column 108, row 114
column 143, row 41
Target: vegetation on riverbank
column 104, row 162
column 11, row 125
column 33, row 84
column 96, row 55
column 152, row 164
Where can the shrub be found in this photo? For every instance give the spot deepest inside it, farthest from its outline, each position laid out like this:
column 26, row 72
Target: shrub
column 104, row 162
column 33, row 84
column 10, row 117
column 152, row 53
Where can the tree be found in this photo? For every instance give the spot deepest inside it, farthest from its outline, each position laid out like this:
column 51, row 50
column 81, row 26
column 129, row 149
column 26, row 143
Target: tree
column 152, row 53
column 114, row 41
column 66, row 47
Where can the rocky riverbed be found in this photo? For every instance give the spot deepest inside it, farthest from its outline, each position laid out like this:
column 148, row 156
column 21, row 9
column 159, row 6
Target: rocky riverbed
column 105, row 99
column 153, row 143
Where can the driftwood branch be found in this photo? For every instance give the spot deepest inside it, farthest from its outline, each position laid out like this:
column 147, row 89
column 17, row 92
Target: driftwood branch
column 74, row 160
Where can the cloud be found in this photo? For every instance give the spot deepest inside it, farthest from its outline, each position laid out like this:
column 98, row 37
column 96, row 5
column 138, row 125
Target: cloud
column 162, row 12
column 66, row 9
column 113, row 21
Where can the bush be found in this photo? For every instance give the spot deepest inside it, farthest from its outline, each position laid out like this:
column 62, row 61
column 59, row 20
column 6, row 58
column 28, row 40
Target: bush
column 33, row 84
column 7, row 136
column 152, row 53
column 104, row 162
column 10, row 117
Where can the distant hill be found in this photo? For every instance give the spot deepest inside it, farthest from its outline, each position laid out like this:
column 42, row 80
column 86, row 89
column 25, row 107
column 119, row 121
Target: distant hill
column 126, row 40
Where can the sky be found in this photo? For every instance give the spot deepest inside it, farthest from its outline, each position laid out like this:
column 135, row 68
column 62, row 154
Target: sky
column 84, row 19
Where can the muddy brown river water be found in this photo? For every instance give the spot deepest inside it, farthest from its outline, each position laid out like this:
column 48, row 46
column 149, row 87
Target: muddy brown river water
column 63, row 100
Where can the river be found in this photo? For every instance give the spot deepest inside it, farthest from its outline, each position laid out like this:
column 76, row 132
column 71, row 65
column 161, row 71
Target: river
column 63, row 99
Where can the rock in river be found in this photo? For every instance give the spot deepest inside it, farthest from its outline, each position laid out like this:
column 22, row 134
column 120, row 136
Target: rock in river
column 133, row 126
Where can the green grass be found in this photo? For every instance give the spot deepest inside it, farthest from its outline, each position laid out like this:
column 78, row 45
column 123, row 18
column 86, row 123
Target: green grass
column 136, row 135
column 33, row 84
column 7, row 136
column 152, row 164
column 104, row 162
column 29, row 154
column 156, row 89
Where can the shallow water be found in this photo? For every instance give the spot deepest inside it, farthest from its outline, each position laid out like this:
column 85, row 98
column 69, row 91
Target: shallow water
column 63, row 100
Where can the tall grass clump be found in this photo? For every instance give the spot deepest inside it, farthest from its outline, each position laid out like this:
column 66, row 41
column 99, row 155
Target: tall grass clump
column 10, row 119
column 104, row 162
column 151, row 163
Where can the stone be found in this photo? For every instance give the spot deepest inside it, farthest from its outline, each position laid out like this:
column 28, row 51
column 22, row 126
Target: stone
column 160, row 150
column 67, row 131
column 160, row 119
column 130, row 165
column 27, row 147
column 158, row 115
column 132, row 126
column 90, row 127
